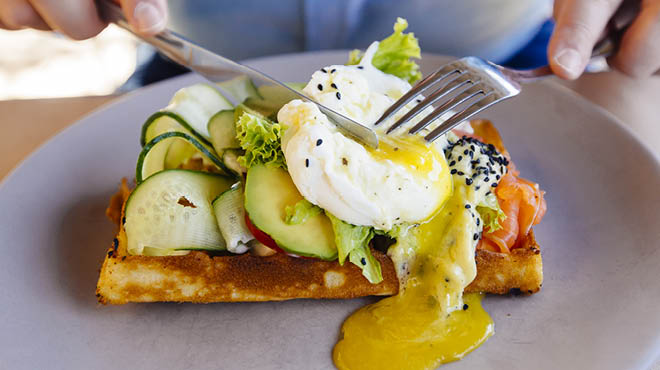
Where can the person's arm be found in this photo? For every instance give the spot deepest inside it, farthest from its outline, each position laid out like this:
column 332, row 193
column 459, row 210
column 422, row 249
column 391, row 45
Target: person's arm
column 580, row 23
column 79, row 18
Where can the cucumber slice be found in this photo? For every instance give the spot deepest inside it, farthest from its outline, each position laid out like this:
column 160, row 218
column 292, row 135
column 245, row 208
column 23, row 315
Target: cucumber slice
column 222, row 127
column 239, row 88
column 171, row 211
column 153, row 156
column 230, row 214
column 178, row 153
column 242, row 108
column 230, row 159
column 189, row 111
column 273, row 98
column 268, row 190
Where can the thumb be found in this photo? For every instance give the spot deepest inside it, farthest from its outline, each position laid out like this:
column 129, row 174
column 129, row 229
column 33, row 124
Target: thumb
column 146, row 17
column 579, row 24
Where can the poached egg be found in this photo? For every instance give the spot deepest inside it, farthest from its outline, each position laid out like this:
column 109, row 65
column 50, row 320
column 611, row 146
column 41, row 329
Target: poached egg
column 405, row 180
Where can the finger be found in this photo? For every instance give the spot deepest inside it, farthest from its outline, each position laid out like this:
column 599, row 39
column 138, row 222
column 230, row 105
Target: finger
column 17, row 14
column 147, row 17
column 558, row 6
column 579, row 24
column 75, row 18
column 639, row 51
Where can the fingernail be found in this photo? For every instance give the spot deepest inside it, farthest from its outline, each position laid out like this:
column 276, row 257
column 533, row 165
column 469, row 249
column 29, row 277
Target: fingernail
column 148, row 18
column 569, row 60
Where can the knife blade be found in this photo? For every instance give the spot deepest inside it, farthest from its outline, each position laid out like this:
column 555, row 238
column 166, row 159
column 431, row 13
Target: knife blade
column 216, row 68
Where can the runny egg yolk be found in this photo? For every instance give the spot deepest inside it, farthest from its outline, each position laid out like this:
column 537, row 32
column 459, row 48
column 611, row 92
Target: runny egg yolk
column 429, row 322
column 412, row 152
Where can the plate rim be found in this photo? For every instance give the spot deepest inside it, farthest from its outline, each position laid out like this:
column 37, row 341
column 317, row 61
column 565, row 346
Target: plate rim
column 580, row 100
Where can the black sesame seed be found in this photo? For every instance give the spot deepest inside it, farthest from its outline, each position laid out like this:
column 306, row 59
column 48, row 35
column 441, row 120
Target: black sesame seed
column 453, row 171
column 115, row 243
column 344, row 161
column 452, row 163
column 460, row 158
column 477, row 222
column 333, row 70
column 320, row 87
column 338, row 95
column 399, row 189
column 468, row 181
column 323, row 70
column 465, row 151
column 333, row 85
column 363, row 261
column 418, row 100
column 475, row 236
column 486, row 179
column 360, row 67
column 465, row 307
column 494, row 184
column 467, row 206
column 109, row 253
column 123, row 220
column 319, row 142
column 446, row 280
column 497, row 177
column 307, row 162
column 460, row 173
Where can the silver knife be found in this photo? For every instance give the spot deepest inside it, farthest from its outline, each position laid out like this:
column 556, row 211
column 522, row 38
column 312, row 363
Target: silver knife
column 218, row 68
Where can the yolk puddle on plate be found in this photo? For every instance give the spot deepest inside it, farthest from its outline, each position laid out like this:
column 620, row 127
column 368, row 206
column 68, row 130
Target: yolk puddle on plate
column 426, row 324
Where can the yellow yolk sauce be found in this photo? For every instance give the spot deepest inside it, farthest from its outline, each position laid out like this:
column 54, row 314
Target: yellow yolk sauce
column 429, row 322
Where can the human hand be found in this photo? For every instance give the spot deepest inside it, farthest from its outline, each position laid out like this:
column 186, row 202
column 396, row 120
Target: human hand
column 579, row 25
column 79, row 18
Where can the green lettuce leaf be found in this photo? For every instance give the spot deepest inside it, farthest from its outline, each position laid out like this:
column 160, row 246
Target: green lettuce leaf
column 301, row 212
column 491, row 213
column 361, row 256
column 353, row 242
column 394, row 53
column 261, row 140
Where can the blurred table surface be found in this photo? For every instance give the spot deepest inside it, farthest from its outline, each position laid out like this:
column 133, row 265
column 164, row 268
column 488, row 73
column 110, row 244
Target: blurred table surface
column 27, row 124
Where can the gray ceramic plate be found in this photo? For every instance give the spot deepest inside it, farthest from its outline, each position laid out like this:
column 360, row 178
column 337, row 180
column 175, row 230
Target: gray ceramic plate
column 599, row 307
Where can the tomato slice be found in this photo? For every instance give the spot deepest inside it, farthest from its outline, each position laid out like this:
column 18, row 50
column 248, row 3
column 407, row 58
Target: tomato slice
column 261, row 236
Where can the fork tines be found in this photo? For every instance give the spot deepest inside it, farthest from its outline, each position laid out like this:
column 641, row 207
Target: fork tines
column 466, row 86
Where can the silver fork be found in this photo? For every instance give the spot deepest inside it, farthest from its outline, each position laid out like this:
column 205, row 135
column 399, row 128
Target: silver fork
column 470, row 85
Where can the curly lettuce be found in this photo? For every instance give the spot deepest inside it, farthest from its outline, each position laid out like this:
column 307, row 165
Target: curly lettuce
column 353, row 242
column 491, row 213
column 300, row 212
column 261, row 140
column 394, row 54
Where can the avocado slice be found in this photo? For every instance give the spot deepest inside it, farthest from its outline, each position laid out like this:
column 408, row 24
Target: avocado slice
column 268, row 190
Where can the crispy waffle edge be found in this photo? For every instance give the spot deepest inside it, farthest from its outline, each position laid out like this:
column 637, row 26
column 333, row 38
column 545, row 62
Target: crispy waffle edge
column 200, row 278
